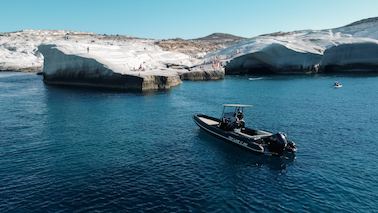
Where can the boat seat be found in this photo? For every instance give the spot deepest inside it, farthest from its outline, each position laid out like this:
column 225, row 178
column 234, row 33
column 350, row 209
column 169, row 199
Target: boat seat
column 208, row 121
column 258, row 134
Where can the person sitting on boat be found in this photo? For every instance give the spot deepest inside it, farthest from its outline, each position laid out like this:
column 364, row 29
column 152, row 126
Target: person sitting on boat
column 225, row 122
column 240, row 119
column 231, row 122
column 239, row 115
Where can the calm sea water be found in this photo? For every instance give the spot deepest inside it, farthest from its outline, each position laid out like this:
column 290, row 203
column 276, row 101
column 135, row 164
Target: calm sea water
column 65, row 149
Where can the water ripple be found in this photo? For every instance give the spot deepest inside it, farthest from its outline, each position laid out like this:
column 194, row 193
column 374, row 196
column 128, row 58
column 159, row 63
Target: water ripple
column 83, row 150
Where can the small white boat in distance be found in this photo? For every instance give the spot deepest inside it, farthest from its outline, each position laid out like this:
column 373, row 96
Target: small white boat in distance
column 337, row 85
column 255, row 79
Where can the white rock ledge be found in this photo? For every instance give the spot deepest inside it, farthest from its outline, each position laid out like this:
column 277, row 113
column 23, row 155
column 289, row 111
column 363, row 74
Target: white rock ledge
column 275, row 58
column 60, row 68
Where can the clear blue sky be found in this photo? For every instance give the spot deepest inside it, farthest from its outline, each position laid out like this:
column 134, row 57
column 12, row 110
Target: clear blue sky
column 182, row 18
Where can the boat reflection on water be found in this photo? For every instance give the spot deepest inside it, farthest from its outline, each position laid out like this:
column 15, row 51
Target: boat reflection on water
column 234, row 155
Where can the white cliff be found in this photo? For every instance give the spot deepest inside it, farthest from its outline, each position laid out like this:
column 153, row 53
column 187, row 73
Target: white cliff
column 126, row 64
column 353, row 57
column 298, row 51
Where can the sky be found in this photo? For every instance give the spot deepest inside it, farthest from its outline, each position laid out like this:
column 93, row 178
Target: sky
column 182, row 18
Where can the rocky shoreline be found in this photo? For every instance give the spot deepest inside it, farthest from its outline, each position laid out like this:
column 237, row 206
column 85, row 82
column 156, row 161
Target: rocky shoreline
column 136, row 64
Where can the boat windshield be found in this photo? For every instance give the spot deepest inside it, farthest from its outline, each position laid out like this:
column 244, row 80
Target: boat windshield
column 233, row 110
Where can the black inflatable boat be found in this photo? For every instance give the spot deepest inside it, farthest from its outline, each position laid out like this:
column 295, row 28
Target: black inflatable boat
column 231, row 128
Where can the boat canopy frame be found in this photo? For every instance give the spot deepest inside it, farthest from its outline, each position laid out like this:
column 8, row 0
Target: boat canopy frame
column 238, row 107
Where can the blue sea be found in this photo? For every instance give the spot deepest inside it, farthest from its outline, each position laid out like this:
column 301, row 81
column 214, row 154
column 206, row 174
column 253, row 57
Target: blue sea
column 65, row 149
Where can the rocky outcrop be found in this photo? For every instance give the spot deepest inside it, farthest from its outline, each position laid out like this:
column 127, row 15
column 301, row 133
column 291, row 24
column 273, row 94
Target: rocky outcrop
column 18, row 68
column 200, row 46
column 350, row 47
column 60, row 68
column 204, row 75
column 281, row 52
column 160, row 82
column 274, row 58
column 355, row 57
column 19, row 52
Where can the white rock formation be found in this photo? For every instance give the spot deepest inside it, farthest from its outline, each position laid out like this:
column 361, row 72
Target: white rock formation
column 68, row 56
column 130, row 64
column 353, row 57
column 298, row 51
column 19, row 52
column 366, row 28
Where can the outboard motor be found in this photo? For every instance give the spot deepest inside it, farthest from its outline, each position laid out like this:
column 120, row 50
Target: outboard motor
column 291, row 147
column 278, row 143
